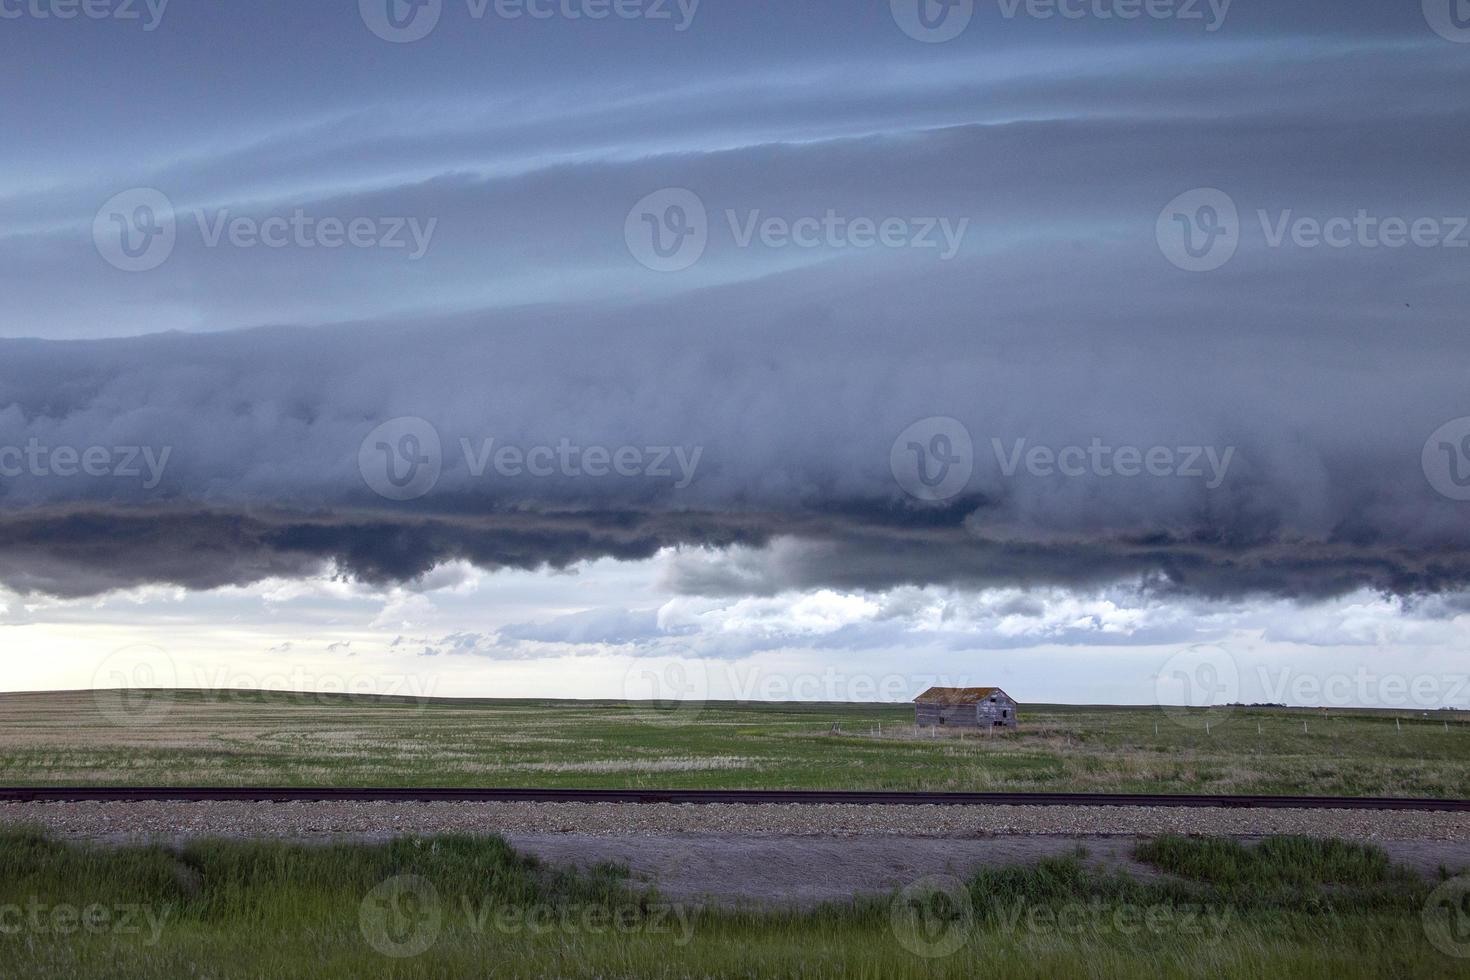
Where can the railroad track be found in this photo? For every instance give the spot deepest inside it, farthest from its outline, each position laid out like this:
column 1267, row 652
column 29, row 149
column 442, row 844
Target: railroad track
column 52, row 794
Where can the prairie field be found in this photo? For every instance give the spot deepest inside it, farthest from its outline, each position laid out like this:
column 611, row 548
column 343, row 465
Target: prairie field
column 284, row 739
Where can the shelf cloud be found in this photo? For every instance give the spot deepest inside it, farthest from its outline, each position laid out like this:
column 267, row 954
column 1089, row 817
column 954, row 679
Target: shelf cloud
column 1174, row 311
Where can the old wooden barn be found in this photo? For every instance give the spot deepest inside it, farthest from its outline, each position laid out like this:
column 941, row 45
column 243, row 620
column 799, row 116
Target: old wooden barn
column 965, row 707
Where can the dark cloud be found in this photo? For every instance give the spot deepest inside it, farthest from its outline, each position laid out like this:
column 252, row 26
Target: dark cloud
column 82, row 554
column 793, row 394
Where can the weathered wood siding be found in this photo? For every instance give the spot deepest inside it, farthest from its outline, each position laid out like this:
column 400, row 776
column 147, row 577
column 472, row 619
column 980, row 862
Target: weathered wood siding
column 951, row 715
column 999, row 710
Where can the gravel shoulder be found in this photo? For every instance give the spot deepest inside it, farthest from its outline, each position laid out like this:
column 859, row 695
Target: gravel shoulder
column 731, row 855
column 733, row 870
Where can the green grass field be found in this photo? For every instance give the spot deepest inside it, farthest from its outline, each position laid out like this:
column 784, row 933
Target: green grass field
column 470, row 906
column 224, row 738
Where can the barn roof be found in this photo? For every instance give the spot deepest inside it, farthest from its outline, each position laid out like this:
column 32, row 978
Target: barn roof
column 957, row 695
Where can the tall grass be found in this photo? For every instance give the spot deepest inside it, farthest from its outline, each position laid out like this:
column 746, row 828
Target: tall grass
column 1273, row 861
column 1312, row 872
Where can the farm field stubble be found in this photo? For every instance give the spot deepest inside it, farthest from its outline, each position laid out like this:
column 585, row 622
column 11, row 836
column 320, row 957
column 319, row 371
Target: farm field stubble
column 222, row 738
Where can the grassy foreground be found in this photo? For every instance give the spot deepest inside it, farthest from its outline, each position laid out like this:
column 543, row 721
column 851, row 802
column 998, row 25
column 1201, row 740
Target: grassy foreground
column 254, row 738
column 463, row 906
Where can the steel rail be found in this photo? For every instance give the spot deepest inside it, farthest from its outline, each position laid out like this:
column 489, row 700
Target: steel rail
column 215, row 794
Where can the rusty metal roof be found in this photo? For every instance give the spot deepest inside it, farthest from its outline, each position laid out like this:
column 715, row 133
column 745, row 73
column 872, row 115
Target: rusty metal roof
column 957, row 695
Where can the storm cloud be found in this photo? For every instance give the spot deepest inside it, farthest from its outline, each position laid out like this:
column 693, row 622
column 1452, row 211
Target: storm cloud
column 1261, row 427
column 791, row 402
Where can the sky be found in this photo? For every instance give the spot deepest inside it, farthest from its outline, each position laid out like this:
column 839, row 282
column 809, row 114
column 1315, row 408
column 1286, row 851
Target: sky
column 1106, row 350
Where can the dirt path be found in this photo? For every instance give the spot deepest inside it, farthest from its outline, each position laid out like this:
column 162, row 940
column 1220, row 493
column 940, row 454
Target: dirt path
column 729, row 869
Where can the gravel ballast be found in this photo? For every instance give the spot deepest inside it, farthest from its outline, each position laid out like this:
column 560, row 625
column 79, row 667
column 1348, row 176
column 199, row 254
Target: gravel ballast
column 135, row 821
